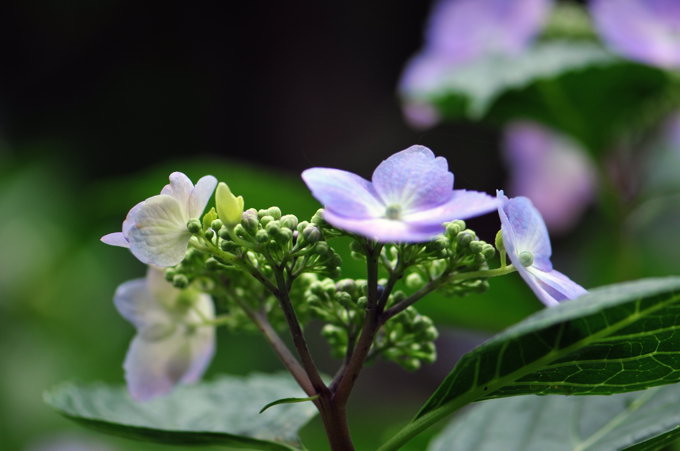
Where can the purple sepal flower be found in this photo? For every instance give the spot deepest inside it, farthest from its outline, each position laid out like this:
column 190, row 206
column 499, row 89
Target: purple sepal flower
column 155, row 230
column 643, row 30
column 551, row 170
column 459, row 31
column 409, row 198
column 527, row 244
column 172, row 345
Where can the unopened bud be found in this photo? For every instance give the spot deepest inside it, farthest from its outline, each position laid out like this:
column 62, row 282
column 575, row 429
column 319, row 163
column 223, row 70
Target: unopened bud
column 194, row 226
column 289, row 221
column 464, row 238
column 229, row 207
column 216, row 225
column 274, row 212
column 180, row 281
column 526, row 258
column 250, row 221
column 499, row 241
column 414, row 281
column 311, row 233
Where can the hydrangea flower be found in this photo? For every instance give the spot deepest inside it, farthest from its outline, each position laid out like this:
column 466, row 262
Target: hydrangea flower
column 551, row 170
column 459, row 31
column 172, row 345
column 643, row 30
column 526, row 241
column 155, row 230
column 408, row 198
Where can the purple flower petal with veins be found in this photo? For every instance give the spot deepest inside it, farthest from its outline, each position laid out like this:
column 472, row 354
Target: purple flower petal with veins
column 459, row 31
column 551, row 170
column 155, row 230
column 409, row 198
column 643, row 30
column 527, row 244
column 172, row 345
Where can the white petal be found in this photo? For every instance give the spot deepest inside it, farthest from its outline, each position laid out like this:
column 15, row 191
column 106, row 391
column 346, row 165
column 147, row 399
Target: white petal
column 159, row 236
column 200, row 196
column 180, row 188
column 137, row 304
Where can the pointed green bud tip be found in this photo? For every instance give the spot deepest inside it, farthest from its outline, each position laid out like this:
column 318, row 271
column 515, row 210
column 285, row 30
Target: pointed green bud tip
column 499, row 241
column 209, row 217
column 526, row 258
column 194, row 226
column 229, row 207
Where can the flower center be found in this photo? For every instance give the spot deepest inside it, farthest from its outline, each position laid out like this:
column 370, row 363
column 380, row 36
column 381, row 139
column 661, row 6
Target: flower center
column 393, row 212
column 526, row 258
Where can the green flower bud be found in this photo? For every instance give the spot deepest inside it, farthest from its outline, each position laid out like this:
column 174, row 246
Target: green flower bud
column 453, row 228
column 289, row 221
column 488, row 251
column 194, row 226
column 499, row 241
column 229, row 207
column 180, row 281
column 526, row 258
column 250, row 221
column 477, row 246
column 317, row 219
column 414, row 281
column 302, row 226
column 321, row 248
column 209, row 234
column 464, row 238
column 212, row 264
column 229, row 246
column 411, row 364
column 346, row 285
column 274, row 212
column 224, row 233
column 266, row 219
column 262, row 236
column 216, row 225
column 170, row 274
column 311, row 234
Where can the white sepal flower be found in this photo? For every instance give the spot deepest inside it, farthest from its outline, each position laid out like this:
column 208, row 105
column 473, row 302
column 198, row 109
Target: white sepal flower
column 155, row 230
column 173, row 342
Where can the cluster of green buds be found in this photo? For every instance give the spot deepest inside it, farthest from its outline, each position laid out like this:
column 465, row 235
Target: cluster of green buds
column 407, row 339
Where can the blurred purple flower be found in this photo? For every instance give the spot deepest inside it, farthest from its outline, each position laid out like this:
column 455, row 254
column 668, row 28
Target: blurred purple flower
column 173, row 344
column 526, row 241
column 155, row 230
column 409, row 198
column 551, row 170
column 459, row 31
column 643, row 30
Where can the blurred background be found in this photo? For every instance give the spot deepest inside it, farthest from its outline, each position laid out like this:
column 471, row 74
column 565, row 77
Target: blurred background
column 100, row 101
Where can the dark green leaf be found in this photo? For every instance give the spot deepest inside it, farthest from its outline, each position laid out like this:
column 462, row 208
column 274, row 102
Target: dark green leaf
column 615, row 339
column 287, row 401
column 638, row 420
column 224, row 412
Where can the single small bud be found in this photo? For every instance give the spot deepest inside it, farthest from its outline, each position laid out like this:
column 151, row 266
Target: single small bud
column 194, row 226
column 317, row 219
column 180, row 281
column 346, row 285
column 266, row 219
column 170, row 274
column 209, row 234
column 464, row 238
column 414, row 281
column 216, row 225
column 477, row 246
column 262, row 236
column 312, row 234
column 224, row 233
column 229, row 246
column 229, row 207
column 488, row 252
column 321, row 248
column 289, row 221
column 274, row 212
column 499, row 241
column 212, row 264
column 250, row 221
column 526, row 258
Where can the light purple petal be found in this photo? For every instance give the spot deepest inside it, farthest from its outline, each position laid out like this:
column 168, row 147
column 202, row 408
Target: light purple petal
column 343, row 192
column 202, row 341
column 551, row 170
column 384, row 230
column 413, row 179
column 160, row 236
column 180, row 187
column 136, row 303
column 559, row 286
column 465, row 29
column 524, row 230
column 200, row 195
column 643, row 30
column 115, row 239
column 463, row 205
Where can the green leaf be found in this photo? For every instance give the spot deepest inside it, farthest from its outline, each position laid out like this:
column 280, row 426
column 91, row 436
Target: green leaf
column 640, row 420
column 577, row 87
column 221, row 412
column 287, row 401
column 620, row 338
